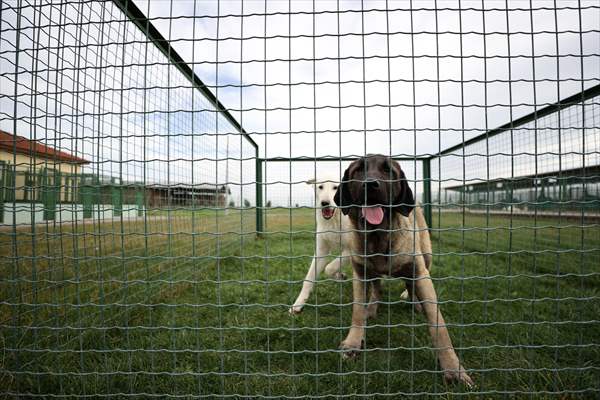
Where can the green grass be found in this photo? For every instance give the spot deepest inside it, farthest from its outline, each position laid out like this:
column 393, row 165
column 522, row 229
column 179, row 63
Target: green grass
column 170, row 307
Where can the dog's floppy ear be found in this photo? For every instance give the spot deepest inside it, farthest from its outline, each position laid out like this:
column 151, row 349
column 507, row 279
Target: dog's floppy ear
column 404, row 202
column 311, row 181
column 342, row 197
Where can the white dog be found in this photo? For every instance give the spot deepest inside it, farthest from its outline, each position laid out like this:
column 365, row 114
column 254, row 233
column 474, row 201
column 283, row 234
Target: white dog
column 333, row 235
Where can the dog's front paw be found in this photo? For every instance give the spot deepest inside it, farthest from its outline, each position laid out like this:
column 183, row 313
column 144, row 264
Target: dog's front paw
column 458, row 376
column 350, row 348
column 418, row 307
column 296, row 309
column 414, row 301
column 372, row 311
column 340, row 276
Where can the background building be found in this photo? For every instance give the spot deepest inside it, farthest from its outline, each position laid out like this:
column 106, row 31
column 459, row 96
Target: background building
column 32, row 172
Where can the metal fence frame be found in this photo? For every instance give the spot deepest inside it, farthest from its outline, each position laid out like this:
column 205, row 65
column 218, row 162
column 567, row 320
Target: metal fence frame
column 575, row 99
column 145, row 25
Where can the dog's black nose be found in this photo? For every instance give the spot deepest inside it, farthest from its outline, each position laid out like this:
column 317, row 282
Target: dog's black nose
column 372, row 184
column 324, row 203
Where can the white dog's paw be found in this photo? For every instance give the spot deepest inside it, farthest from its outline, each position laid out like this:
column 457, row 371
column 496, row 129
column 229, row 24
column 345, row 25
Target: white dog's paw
column 372, row 311
column 414, row 301
column 340, row 276
column 296, row 309
column 418, row 307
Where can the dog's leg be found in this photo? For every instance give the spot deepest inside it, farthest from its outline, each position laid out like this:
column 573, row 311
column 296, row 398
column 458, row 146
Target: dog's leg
column 409, row 293
column 354, row 340
column 453, row 370
column 316, row 267
column 374, row 298
column 334, row 268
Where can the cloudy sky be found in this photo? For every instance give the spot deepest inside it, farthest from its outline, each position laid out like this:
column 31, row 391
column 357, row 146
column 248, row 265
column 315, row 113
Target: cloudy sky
column 410, row 41
column 331, row 78
column 302, row 68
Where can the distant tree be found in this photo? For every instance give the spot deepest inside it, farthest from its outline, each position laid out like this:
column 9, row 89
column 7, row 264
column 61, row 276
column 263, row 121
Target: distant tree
column 232, row 203
column 247, row 203
column 297, row 205
column 269, row 203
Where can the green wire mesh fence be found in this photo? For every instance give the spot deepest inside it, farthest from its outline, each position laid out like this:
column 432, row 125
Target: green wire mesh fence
column 156, row 224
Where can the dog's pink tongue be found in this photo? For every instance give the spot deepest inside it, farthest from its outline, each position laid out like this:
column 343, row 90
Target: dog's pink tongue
column 373, row 215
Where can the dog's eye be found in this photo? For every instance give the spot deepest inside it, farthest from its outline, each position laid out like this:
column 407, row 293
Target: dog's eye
column 320, row 187
column 335, row 188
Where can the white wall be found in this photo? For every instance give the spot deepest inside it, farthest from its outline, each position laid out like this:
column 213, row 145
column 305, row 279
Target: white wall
column 23, row 213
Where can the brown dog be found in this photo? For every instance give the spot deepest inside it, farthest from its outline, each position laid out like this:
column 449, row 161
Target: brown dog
column 390, row 238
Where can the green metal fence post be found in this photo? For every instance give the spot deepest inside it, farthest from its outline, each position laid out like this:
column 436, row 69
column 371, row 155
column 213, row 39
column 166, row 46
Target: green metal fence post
column 427, row 190
column 86, row 195
column 3, row 169
column 139, row 200
column 117, row 197
column 50, row 191
column 259, row 199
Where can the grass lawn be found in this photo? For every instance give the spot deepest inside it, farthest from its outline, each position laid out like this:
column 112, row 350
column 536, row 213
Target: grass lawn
column 168, row 306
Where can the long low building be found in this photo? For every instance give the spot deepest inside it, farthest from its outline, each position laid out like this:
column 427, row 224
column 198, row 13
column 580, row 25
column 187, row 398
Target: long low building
column 198, row 195
column 574, row 189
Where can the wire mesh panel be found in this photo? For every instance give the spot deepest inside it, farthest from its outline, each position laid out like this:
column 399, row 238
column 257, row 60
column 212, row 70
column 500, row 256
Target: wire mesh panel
column 548, row 162
column 166, row 169
column 123, row 186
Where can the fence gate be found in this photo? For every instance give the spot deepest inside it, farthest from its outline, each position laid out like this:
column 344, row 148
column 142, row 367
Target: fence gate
column 51, row 187
column 116, row 193
column 89, row 193
column 139, row 200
